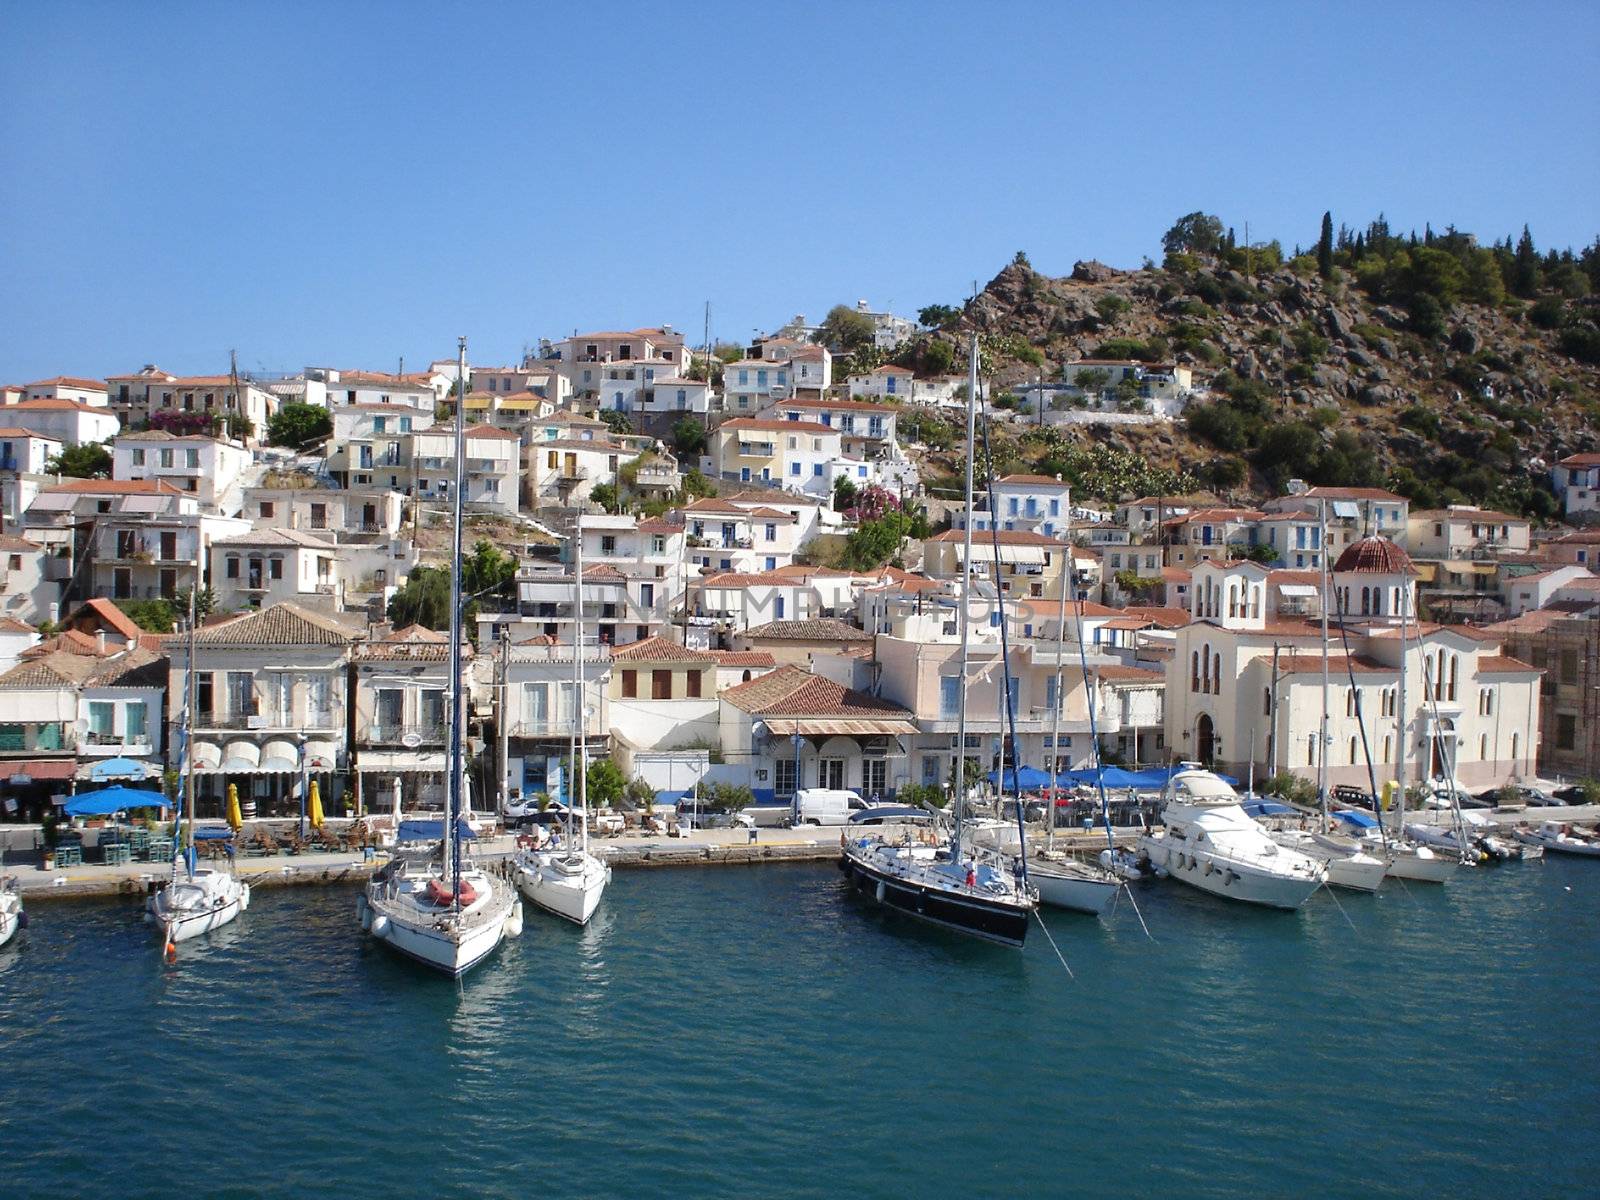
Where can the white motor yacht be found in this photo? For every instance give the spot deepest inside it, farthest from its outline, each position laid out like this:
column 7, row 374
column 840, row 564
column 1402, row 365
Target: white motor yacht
column 1208, row 841
column 197, row 903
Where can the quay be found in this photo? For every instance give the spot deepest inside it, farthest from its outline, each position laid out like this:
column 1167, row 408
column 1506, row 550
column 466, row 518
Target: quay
column 633, row 851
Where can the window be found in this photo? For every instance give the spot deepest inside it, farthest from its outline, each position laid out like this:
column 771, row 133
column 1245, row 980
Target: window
column 693, row 678
column 949, row 695
column 1566, row 731
column 102, row 715
column 1569, row 666
column 191, row 457
column 138, row 458
column 138, row 717
column 660, row 685
column 275, row 567
column 319, row 516
column 166, row 458
column 266, row 508
column 772, row 533
column 630, row 683
column 232, row 571
column 783, row 776
column 1266, row 702
column 816, row 470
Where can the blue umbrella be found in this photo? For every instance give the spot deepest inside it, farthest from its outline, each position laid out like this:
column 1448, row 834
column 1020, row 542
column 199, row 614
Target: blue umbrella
column 1111, row 777
column 1022, row 778
column 114, row 800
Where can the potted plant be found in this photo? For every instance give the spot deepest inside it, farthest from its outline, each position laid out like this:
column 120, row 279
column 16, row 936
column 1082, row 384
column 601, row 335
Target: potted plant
column 50, row 835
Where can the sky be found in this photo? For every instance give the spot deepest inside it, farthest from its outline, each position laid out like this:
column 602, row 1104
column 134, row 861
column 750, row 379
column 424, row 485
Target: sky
column 350, row 184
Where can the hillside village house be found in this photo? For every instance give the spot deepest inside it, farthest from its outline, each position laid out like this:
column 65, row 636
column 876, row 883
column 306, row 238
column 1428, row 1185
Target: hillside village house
column 1565, row 644
column 1034, row 503
column 788, row 728
column 26, row 592
column 674, row 393
column 1465, row 531
column 623, row 384
column 25, row 452
column 726, row 536
column 400, row 685
column 493, row 466
column 753, row 384
column 566, row 470
column 68, row 422
column 265, row 567
column 1026, row 564
column 801, row 638
column 739, row 601
column 80, row 391
column 367, row 447
column 540, row 712
column 1357, row 511
column 1244, row 684
column 1208, row 533
column 334, row 389
column 865, row 429
column 1576, row 480
column 348, row 512
column 663, row 695
column 270, row 691
column 884, row 383
column 796, row 455
column 207, row 468
column 133, row 397
column 582, row 357
column 218, row 396
column 810, row 367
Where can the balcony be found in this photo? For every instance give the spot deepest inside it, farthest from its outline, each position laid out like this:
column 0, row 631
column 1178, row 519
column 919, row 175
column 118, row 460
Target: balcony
column 27, row 736
column 110, row 745
column 316, row 718
column 383, row 734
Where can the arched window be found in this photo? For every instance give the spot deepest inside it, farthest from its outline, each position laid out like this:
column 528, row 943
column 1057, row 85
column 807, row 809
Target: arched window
column 1194, row 667
column 1455, row 664
column 1366, row 602
column 1349, row 702
column 1352, row 750
column 1205, row 668
column 1233, row 599
column 1483, row 747
column 1388, row 747
column 1216, row 674
column 1516, row 749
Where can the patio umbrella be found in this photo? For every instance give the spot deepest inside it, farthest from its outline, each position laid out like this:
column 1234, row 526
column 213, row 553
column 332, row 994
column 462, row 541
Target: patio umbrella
column 1027, row 779
column 316, row 806
column 113, row 800
column 235, row 820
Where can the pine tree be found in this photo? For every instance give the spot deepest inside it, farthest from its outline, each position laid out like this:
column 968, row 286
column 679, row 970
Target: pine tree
column 1525, row 267
column 1325, row 247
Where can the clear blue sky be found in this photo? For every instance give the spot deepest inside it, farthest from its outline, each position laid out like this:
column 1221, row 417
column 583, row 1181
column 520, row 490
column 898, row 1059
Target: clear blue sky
column 345, row 183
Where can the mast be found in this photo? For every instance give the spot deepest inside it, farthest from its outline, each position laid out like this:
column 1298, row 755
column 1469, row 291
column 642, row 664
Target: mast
column 458, row 708
column 1400, row 723
column 1322, row 756
column 189, row 702
column 966, row 600
column 1055, row 709
column 504, row 748
column 579, row 749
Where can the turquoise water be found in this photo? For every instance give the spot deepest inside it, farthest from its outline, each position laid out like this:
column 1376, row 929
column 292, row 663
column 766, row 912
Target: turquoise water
column 761, row 1033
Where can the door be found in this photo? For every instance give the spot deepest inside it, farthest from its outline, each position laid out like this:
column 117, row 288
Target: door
column 874, row 778
column 1204, row 738
column 831, row 773
column 777, row 607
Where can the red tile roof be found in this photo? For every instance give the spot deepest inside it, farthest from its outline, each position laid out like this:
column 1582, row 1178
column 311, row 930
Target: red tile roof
column 660, row 649
column 94, row 385
column 791, row 691
column 766, row 426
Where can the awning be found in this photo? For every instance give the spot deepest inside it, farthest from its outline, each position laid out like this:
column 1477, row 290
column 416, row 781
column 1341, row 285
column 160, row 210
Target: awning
column 1346, row 508
column 399, row 760
column 1296, row 589
column 321, row 756
column 983, row 550
column 432, row 831
column 241, row 757
column 841, row 727
column 108, row 769
column 1425, row 571
column 207, row 756
column 282, row 755
column 23, row 771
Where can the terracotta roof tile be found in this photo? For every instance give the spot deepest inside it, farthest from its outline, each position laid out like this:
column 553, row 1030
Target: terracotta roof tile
column 660, row 649
column 821, row 629
column 285, row 624
column 791, row 691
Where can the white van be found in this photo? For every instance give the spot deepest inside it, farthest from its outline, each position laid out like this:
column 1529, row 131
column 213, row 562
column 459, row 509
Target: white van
column 825, row 806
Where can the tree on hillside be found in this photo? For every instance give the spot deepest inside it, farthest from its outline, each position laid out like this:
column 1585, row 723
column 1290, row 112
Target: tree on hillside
column 153, row 616
column 938, row 316
column 688, row 438
column 845, row 329
column 1196, row 233
column 1325, row 247
column 298, row 426
column 88, row 461
column 616, row 420
column 1525, row 267
column 486, row 569
column 424, row 600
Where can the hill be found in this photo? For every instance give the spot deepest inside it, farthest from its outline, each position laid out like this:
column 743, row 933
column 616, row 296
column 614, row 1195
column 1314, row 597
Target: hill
column 1448, row 371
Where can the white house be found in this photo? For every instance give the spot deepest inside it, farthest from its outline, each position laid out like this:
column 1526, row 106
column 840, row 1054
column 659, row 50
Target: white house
column 1037, row 503
column 493, row 464
column 367, row 447
column 217, row 396
column 207, row 468
column 264, row 567
column 886, row 382
column 69, row 422
column 582, row 357
column 1576, row 480
column 865, row 428
column 1537, row 589
column 26, row 592
column 566, row 470
column 540, row 712
column 673, row 393
column 81, row 391
column 752, row 384
column 24, row 452
column 796, row 455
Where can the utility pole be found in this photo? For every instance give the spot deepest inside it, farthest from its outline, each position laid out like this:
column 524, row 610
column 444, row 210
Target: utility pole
column 705, row 417
column 501, row 726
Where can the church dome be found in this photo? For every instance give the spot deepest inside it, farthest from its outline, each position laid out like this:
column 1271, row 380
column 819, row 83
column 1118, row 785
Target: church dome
column 1374, row 555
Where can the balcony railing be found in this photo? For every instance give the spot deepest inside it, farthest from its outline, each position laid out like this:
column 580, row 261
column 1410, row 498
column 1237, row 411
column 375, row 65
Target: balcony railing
column 381, row 734
column 318, row 718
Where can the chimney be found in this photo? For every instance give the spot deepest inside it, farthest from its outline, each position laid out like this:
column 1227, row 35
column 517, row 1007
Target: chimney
column 100, row 642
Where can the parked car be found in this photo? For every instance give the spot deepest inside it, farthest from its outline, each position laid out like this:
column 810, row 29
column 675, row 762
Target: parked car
column 1354, row 797
column 1575, row 794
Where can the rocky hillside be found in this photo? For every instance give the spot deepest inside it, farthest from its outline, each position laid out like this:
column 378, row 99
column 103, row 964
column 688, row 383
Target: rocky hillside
column 1405, row 363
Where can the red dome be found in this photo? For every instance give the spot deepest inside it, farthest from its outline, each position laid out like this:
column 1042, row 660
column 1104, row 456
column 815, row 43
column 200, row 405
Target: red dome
column 1374, row 556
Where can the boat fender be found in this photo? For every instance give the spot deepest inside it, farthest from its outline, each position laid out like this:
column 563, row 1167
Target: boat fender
column 22, row 919
column 514, row 920
column 380, row 925
column 879, row 893
column 244, row 897
column 1208, row 866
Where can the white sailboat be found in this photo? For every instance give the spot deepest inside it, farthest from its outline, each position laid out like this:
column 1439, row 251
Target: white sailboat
column 12, row 915
column 195, row 900
column 1208, row 841
column 965, row 885
column 568, row 880
column 427, row 902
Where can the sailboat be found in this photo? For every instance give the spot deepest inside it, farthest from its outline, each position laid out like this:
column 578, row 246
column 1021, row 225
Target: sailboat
column 964, row 886
column 12, row 915
column 428, row 902
column 1347, row 862
column 568, row 880
column 195, row 900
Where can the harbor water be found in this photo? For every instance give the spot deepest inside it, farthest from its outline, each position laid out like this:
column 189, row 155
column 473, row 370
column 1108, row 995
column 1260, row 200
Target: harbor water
column 761, row 1032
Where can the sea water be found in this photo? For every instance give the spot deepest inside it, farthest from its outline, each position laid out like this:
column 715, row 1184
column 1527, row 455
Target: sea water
column 763, row 1032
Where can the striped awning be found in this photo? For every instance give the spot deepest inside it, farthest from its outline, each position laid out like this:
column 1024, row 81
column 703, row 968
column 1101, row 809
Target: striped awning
column 241, row 758
column 281, row 756
column 321, row 756
column 841, row 727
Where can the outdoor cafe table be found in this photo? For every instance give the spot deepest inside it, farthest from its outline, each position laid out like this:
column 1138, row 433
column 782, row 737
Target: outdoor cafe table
column 117, row 853
column 69, row 854
column 158, row 849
